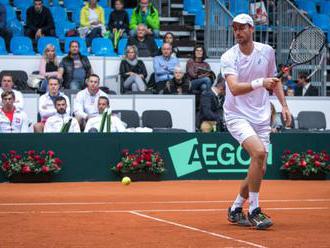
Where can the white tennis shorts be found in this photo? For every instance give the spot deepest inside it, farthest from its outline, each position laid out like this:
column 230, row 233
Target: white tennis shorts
column 242, row 129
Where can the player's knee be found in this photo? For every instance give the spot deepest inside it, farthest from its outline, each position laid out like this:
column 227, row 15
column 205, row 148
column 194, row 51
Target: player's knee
column 259, row 154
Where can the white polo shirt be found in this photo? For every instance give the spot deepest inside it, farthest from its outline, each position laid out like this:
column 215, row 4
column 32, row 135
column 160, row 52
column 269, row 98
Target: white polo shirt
column 19, row 124
column 19, row 100
column 47, row 107
column 255, row 105
column 55, row 123
column 116, row 124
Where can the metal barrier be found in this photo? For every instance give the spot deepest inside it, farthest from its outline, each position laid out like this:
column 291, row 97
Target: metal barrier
column 158, row 5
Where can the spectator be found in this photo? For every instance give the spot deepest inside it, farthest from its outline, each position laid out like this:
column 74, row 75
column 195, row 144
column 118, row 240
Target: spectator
column 12, row 119
column 290, row 92
column 57, row 122
column 179, row 84
column 94, row 123
column 146, row 14
column 133, row 71
column 146, row 45
column 85, row 103
column 5, row 32
column 164, row 67
column 275, row 120
column 91, row 21
column 304, row 87
column 39, row 21
column 169, row 38
column 286, row 78
column 48, row 66
column 211, row 109
column 74, row 68
column 118, row 23
column 199, row 71
column 7, row 85
column 47, row 103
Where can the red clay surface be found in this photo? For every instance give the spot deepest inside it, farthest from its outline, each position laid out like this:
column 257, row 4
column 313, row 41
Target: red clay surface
column 159, row 214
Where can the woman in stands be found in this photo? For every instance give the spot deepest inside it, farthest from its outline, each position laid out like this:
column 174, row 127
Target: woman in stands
column 133, row 71
column 199, row 71
column 48, row 66
column 169, row 38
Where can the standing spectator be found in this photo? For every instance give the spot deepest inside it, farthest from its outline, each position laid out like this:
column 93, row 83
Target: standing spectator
column 147, row 14
column 4, row 30
column 48, row 66
column 169, row 38
column 57, row 122
column 146, row 45
column 47, row 103
column 7, row 85
column 118, row 23
column 164, row 67
column 92, row 21
column 211, row 110
column 179, row 84
column 12, row 119
column 74, row 68
column 85, row 103
column 133, row 71
column 94, row 123
column 286, row 78
column 39, row 21
column 304, row 87
column 198, row 70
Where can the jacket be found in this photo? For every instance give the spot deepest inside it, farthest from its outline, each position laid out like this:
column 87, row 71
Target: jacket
column 55, row 123
column 95, row 122
column 84, row 14
column 173, row 86
column 67, row 65
column 47, row 107
column 119, row 20
column 43, row 20
column 152, row 19
column 125, row 67
column 193, row 71
column 311, row 91
column 211, row 107
column 164, row 68
column 146, row 48
column 18, row 125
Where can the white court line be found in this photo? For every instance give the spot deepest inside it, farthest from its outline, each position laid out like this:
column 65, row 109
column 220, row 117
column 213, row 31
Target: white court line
column 149, row 210
column 197, row 230
column 146, row 202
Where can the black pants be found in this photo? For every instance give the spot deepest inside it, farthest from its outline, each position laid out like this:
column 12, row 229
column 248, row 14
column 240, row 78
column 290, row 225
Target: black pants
column 6, row 34
column 32, row 32
column 94, row 33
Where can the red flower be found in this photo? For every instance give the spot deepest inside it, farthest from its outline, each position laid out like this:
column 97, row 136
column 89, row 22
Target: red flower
column 5, row 166
column 303, row 163
column 148, row 164
column 125, row 152
column 41, row 161
column 58, row 161
column 317, row 164
column 287, row 165
column 147, row 157
column 26, row 169
column 31, row 153
column 310, row 152
column 18, row 157
column 12, row 152
column 3, row 157
column 316, row 157
column 295, row 155
column 44, row 169
column 287, row 152
column 43, row 152
column 119, row 166
column 51, row 154
column 37, row 157
column 326, row 157
column 135, row 163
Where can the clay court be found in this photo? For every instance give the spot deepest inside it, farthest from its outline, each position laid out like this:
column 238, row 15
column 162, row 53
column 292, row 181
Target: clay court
column 159, row 214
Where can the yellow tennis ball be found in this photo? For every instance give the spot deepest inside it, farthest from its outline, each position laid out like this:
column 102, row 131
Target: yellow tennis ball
column 126, row 181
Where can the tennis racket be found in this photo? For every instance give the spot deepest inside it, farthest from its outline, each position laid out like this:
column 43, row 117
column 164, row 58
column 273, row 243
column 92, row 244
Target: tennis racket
column 306, row 45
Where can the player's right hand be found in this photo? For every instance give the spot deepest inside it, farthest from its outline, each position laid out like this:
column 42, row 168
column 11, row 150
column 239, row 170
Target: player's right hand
column 270, row 83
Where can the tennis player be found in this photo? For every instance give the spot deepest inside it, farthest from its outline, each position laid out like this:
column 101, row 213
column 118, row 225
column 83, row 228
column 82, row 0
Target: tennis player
column 249, row 69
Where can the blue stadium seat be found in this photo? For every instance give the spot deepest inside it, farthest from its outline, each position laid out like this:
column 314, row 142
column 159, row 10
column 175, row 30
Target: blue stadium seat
column 72, row 5
column 3, row 50
column 103, row 3
column 6, row 2
column 21, row 45
column 107, row 12
column 192, row 6
column 12, row 23
column 10, row 13
column 61, row 27
column 308, row 6
column 44, row 41
column 76, row 17
column 56, row 3
column 200, row 18
column 22, row 4
column 159, row 42
column 102, row 47
column 58, row 13
column 23, row 14
column 239, row 6
column 322, row 21
column 121, row 46
column 325, row 7
column 82, row 45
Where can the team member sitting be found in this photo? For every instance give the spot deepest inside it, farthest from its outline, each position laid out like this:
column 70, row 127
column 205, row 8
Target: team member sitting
column 85, row 103
column 46, row 103
column 7, row 85
column 12, row 119
column 100, row 121
column 61, row 121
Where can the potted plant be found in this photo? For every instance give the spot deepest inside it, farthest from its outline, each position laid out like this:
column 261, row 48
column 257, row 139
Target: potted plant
column 31, row 166
column 142, row 165
column 306, row 165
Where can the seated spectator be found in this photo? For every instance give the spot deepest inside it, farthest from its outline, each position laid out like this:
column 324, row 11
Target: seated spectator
column 275, row 120
column 5, row 32
column 48, row 66
column 46, row 103
column 146, row 14
column 286, row 78
column 133, row 71
column 39, row 21
column 211, row 108
column 74, row 68
column 199, row 71
column 290, row 92
column 118, row 23
column 94, row 123
column 179, row 84
column 164, row 67
column 146, row 45
column 85, row 103
column 91, row 21
column 304, row 87
column 7, row 85
column 169, row 38
column 12, row 119
column 58, row 122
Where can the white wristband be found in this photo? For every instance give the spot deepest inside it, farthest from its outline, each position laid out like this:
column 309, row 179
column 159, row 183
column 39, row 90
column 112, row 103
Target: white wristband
column 257, row 83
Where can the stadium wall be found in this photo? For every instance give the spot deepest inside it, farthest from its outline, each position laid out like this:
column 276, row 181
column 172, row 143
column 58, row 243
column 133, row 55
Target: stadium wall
column 187, row 156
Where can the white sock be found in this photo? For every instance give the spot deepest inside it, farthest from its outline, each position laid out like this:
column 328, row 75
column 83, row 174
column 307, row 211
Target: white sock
column 253, row 201
column 238, row 203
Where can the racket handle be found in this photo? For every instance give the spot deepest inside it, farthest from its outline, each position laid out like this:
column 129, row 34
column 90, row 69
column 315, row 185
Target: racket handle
column 280, row 74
